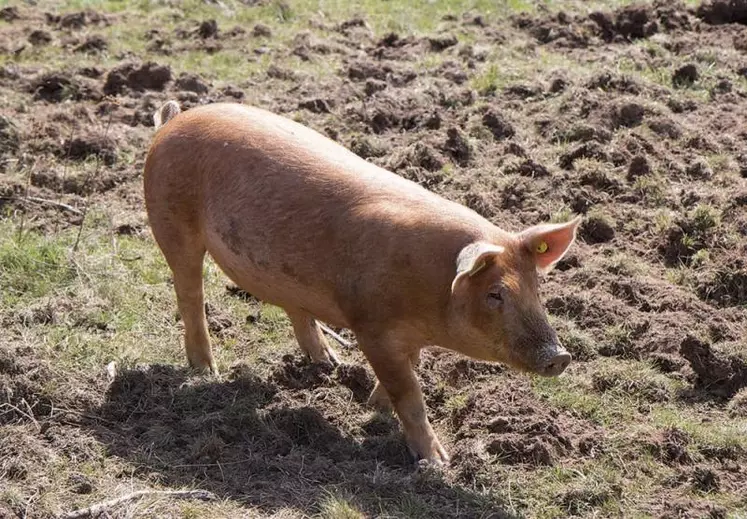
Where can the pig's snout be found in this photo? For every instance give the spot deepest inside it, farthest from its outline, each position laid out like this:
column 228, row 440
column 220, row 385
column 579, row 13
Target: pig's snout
column 556, row 363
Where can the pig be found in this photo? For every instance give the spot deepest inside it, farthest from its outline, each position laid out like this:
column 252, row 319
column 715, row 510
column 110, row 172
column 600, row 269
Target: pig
column 304, row 224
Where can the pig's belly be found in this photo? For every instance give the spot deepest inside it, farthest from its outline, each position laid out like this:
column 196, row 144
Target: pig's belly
column 269, row 284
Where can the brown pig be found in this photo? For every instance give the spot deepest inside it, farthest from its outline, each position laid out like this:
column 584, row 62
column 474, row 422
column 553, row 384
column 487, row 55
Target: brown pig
column 302, row 223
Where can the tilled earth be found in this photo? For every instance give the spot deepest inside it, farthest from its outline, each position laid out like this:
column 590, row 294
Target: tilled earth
column 633, row 118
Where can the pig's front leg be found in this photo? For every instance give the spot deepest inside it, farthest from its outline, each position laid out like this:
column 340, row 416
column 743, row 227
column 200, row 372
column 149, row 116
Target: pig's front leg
column 392, row 362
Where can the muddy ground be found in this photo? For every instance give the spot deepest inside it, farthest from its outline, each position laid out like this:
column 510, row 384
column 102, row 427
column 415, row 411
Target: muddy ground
column 632, row 117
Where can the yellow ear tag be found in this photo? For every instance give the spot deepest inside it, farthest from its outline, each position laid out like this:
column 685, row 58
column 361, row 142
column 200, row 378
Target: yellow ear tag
column 542, row 247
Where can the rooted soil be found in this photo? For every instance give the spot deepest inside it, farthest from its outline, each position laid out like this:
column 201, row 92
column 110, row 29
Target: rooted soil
column 654, row 160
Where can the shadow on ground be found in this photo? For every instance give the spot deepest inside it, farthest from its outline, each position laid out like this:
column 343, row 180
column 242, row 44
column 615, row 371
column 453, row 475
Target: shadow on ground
column 258, row 443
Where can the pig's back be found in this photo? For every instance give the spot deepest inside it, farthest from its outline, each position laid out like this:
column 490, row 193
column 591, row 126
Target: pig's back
column 293, row 216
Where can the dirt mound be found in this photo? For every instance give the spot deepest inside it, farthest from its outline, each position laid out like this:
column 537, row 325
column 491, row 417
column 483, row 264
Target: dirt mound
column 10, row 14
column 722, row 11
column 356, row 378
column 498, row 125
column 137, row 77
column 56, row 87
column 78, row 20
column 92, row 45
column 191, row 83
column 39, row 37
column 300, row 373
column 516, row 429
column 93, row 145
column 208, row 29
column 720, row 373
column 671, row 446
column 685, row 75
column 458, row 147
column 725, row 284
column 627, row 23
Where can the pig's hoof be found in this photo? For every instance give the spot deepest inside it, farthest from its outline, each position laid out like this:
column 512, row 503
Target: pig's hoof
column 434, row 464
column 332, row 357
column 329, row 357
column 204, row 368
column 437, row 457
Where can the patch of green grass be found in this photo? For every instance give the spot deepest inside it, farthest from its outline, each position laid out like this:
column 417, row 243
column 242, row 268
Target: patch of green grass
column 634, row 380
column 607, row 391
column 579, row 343
column 112, row 299
column 623, row 264
column 337, row 507
column 561, row 216
column 618, row 340
column 457, row 403
column 652, row 188
column 704, row 218
column 725, row 435
column 32, row 265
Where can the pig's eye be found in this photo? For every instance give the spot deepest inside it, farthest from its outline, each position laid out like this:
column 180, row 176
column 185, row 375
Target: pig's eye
column 495, row 299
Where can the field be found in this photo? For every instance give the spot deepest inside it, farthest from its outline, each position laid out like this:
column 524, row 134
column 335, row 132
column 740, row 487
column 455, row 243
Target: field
column 525, row 111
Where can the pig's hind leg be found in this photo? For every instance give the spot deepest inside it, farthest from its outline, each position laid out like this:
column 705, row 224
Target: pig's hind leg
column 310, row 338
column 184, row 251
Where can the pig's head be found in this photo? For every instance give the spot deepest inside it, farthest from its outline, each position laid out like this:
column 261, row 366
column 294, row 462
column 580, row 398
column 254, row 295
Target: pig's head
column 495, row 308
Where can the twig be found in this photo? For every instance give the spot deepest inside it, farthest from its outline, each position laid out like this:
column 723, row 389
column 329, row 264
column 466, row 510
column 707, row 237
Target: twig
column 43, row 201
column 80, row 270
column 96, row 509
column 21, row 412
column 344, row 342
column 203, row 465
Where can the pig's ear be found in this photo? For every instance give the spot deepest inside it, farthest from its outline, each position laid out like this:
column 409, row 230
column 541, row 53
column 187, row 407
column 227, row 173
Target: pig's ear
column 473, row 258
column 549, row 242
